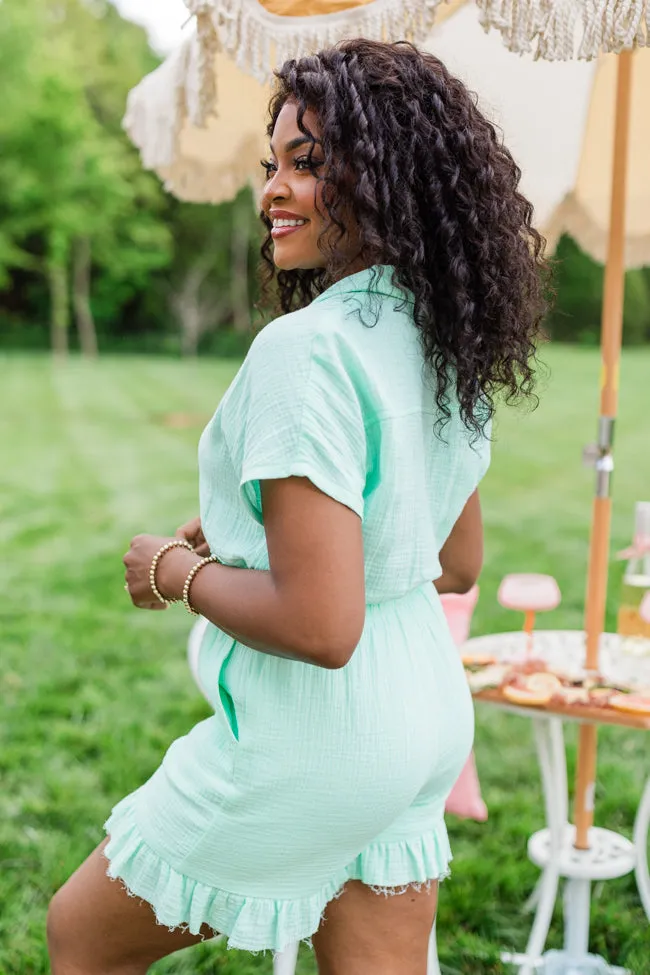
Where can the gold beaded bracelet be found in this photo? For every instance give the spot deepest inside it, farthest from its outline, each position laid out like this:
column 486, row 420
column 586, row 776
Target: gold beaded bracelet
column 190, row 579
column 176, row 543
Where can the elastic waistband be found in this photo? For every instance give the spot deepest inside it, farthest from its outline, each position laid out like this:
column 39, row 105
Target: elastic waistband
column 427, row 591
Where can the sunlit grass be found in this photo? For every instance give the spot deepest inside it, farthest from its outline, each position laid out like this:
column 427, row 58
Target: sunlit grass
column 93, row 691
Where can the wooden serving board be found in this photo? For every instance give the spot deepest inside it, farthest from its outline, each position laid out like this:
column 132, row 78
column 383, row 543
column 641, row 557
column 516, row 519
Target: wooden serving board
column 573, row 712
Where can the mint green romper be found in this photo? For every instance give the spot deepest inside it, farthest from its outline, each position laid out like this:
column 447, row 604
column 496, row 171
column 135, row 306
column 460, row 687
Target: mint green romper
column 305, row 778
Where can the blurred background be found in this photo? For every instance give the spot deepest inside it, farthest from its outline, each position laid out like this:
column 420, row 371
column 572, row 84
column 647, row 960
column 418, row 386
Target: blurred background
column 124, row 315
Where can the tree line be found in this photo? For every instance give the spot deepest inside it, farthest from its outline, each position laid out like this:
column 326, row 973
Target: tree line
column 94, row 254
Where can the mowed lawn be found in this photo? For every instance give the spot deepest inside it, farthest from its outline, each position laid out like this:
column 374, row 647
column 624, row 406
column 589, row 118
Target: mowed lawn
column 93, row 691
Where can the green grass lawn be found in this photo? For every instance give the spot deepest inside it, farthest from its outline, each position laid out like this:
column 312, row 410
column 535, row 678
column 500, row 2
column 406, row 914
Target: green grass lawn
column 94, row 691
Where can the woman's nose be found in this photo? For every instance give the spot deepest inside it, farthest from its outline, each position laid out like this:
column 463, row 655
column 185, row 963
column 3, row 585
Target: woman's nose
column 276, row 189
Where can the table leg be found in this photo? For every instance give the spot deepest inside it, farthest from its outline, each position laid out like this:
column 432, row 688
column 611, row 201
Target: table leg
column 549, row 740
column 547, row 888
column 641, row 827
column 577, row 908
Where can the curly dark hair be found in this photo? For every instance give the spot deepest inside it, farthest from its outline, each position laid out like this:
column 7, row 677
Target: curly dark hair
column 434, row 194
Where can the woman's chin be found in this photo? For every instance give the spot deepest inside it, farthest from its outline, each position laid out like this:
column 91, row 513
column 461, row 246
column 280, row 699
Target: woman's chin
column 284, row 263
column 284, row 260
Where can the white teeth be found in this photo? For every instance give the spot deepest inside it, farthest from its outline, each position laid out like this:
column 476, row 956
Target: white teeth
column 288, row 223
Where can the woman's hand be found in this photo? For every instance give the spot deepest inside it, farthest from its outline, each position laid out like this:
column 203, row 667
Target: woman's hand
column 138, row 563
column 461, row 557
column 193, row 533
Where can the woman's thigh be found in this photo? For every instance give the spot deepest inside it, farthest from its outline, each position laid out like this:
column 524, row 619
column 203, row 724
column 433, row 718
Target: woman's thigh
column 94, row 926
column 366, row 933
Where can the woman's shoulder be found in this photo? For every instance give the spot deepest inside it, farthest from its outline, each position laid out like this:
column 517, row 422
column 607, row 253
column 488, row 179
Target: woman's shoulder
column 300, row 333
column 296, row 326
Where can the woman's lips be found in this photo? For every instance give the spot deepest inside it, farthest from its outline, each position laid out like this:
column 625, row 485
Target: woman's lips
column 278, row 232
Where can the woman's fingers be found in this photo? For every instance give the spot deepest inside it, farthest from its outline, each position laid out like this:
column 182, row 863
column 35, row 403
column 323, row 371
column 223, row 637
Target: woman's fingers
column 191, row 532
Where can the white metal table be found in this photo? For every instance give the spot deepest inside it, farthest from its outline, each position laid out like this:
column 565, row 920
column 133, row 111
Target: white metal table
column 551, row 849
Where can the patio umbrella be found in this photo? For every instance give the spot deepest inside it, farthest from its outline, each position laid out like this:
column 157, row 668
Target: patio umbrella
column 198, row 119
column 565, row 158
column 592, row 194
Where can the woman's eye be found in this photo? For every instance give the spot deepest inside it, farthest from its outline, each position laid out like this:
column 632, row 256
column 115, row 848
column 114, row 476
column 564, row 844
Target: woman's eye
column 269, row 168
column 307, row 164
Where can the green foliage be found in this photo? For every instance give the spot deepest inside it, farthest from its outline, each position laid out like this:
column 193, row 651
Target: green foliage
column 579, row 284
column 636, row 310
column 93, row 691
column 68, row 173
column 63, row 174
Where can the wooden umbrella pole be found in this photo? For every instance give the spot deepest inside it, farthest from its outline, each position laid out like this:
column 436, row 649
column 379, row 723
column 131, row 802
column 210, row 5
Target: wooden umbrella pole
column 611, row 333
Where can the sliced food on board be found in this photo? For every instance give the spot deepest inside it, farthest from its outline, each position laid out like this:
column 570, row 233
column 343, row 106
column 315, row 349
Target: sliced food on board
column 531, row 683
column 631, row 703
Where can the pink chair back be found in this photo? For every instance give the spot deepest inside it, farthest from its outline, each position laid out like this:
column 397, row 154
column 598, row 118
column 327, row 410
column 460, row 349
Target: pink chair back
column 465, row 799
column 459, row 608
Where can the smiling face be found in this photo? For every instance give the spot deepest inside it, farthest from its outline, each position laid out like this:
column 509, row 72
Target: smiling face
column 292, row 195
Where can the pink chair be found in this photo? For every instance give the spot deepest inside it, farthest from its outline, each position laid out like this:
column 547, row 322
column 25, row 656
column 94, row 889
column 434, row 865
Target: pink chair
column 459, row 608
column 465, row 799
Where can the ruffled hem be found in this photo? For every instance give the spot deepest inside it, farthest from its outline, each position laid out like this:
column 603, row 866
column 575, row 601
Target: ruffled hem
column 404, row 864
column 255, row 923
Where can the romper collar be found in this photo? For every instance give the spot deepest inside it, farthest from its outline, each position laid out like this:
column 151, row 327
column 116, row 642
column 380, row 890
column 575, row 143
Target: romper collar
column 372, row 280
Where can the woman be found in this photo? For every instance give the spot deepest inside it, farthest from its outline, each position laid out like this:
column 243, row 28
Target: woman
column 337, row 479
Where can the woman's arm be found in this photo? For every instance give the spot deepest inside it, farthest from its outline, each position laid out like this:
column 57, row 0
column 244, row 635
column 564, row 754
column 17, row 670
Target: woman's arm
column 461, row 557
column 310, row 606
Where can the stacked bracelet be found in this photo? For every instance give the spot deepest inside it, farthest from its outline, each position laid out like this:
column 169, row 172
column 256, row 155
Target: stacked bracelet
column 176, row 543
column 190, row 579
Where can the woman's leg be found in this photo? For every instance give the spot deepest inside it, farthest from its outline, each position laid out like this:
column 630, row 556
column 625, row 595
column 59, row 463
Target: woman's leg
column 365, row 933
column 95, row 928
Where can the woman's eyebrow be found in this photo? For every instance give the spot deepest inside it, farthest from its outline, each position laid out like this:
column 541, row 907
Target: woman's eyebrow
column 301, row 140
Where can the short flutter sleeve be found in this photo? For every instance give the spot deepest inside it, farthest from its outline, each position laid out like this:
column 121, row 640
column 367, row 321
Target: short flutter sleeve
column 299, row 406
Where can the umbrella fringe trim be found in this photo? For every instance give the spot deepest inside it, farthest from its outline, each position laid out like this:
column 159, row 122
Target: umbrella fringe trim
column 156, row 112
column 259, row 42
column 548, row 28
column 208, row 40
column 613, row 26
column 153, row 119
